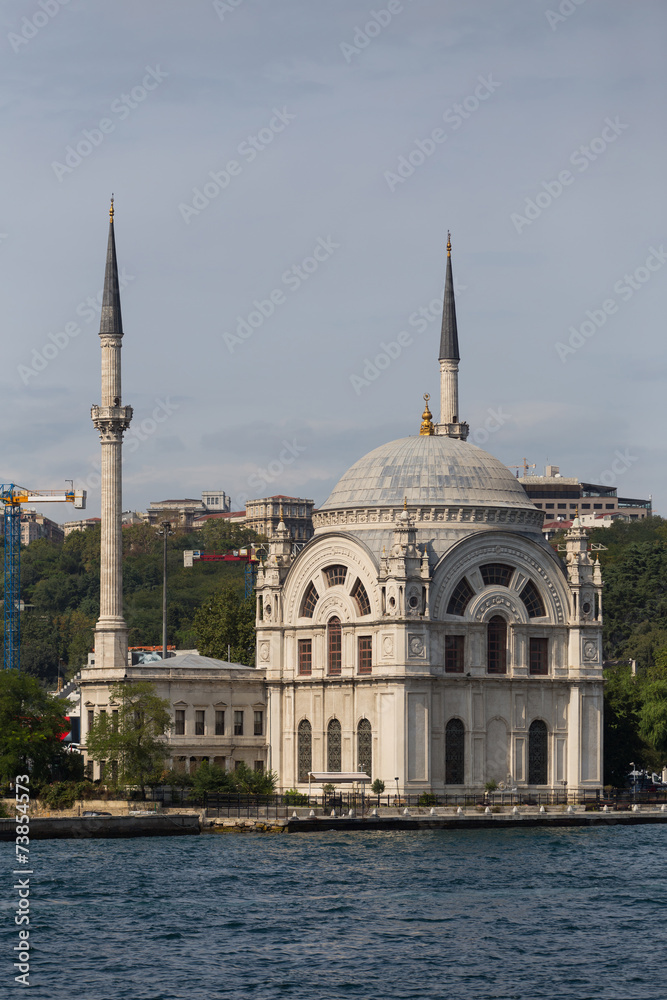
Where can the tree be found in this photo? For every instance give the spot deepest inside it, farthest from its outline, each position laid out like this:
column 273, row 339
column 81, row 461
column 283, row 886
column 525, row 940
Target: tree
column 32, row 724
column 227, row 620
column 218, row 535
column 135, row 737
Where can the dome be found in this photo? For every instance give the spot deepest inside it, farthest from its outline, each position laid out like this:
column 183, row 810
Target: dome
column 433, row 470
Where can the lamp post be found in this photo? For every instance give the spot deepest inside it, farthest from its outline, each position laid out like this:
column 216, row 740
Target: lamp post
column 634, row 781
column 398, row 798
column 166, row 531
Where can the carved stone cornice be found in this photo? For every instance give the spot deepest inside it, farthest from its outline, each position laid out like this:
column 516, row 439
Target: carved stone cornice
column 111, row 421
column 429, row 515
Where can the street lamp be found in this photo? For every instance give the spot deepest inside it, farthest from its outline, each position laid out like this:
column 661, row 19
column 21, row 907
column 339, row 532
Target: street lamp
column 398, row 798
column 166, row 531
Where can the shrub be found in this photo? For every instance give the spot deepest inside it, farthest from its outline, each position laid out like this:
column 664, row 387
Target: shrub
column 293, row 797
column 377, row 787
column 426, row 799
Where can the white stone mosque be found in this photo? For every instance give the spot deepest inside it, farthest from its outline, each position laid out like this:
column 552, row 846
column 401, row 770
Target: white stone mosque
column 427, row 634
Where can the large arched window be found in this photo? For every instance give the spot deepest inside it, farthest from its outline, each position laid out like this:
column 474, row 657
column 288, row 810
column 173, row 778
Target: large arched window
column 461, row 596
column 496, row 646
column 454, row 752
column 538, row 753
column 334, row 646
column 310, row 599
column 365, row 747
column 532, row 598
column 305, row 749
column 334, row 741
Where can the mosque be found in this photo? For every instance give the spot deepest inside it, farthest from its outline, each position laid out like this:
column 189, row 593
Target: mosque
column 427, row 634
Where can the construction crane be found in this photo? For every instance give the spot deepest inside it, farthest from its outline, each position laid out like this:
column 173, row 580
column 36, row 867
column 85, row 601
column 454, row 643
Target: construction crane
column 248, row 556
column 13, row 497
column 525, row 468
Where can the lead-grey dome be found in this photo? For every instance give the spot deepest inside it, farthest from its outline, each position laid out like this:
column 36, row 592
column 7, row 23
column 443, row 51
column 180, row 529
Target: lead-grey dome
column 429, row 469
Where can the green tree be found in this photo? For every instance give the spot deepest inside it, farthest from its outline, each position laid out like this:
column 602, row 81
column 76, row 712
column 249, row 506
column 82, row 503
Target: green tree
column 227, row 620
column 218, row 535
column 135, row 738
column 32, row 723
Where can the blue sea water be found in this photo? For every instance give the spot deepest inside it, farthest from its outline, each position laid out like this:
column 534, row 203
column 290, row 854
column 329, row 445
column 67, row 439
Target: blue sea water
column 471, row 915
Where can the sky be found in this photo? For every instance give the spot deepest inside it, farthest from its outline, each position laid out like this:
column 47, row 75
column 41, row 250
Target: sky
column 285, row 175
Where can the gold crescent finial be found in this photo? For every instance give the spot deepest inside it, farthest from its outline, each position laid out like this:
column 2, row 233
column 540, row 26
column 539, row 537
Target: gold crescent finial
column 449, row 243
column 111, row 209
column 427, row 428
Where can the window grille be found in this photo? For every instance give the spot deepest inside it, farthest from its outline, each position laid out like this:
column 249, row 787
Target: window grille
column 335, row 575
column 310, row 600
column 334, row 745
column 460, row 598
column 238, row 723
column 199, row 723
column 531, row 597
column 305, row 657
column 365, row 747
column 539, row 653
column 334, row 644
column 454, row 647
column 180, row 722
column 454, row 752
column 496, row 646
column 259, row 724
column 305, row 749
column 365, row 654
column 497, row 574
column 538, row 753
column 361, row 598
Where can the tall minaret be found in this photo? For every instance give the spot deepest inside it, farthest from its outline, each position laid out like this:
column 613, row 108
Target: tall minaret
column 449, row 362
column 111, row 419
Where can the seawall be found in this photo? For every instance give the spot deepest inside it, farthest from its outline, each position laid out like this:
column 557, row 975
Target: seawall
column 77, row 827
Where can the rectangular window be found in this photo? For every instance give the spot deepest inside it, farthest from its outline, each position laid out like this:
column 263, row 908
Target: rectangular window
column 238, row 723
column 585, row 506
column 103, row 769
column 199, row 722
column 549, row 506
column 237, row 764
column 305, row 657
column 114, row 720
column 539, row 656
column 88, row 770
column 180, row 722
column 259, row 766
column 562, row 506
column 91, row 717
column 454, row 647
column 219, row 723
column 259, row 724
column 609, row 506
column 365, row 654
column 597, row 506
column 114, row 772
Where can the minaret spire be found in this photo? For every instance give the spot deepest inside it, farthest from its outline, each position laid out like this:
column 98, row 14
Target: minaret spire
column 449, row 361
column 111, row 420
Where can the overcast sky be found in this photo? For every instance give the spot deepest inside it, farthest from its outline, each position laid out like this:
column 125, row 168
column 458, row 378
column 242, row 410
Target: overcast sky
column 346, row 139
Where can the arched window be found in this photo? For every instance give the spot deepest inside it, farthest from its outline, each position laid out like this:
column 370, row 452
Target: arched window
column 365, row 747
column 498, row 574
column 334, row 741
column 334, row 646
column 361, row 598
column 460, row 598
column 309, row 601
column 454, row 752
column 496, row 646
column 532, row 598
column 538, row 753
column 305, row 749
column 335, row 575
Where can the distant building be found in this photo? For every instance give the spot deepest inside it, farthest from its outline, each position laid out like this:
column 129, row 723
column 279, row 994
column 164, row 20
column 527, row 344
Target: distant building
column 81, row 525
column 561, row 497
column 130, row 517
column 232, row 516
column 263, row 516
column 34, row 525
column 182, row 513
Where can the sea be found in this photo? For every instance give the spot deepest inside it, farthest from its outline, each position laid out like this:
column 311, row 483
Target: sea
column 567, row 914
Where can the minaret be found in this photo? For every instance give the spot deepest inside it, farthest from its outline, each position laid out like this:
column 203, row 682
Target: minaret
column 449, row 361
column 111, row 419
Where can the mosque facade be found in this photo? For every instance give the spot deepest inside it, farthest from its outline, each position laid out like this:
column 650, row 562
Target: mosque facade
column 427, row 634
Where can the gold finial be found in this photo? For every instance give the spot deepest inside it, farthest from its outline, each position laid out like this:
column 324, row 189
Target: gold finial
column 282, row 518
column 111, row 209
column 405, row 503
column 427, row 427
column 449, row 243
